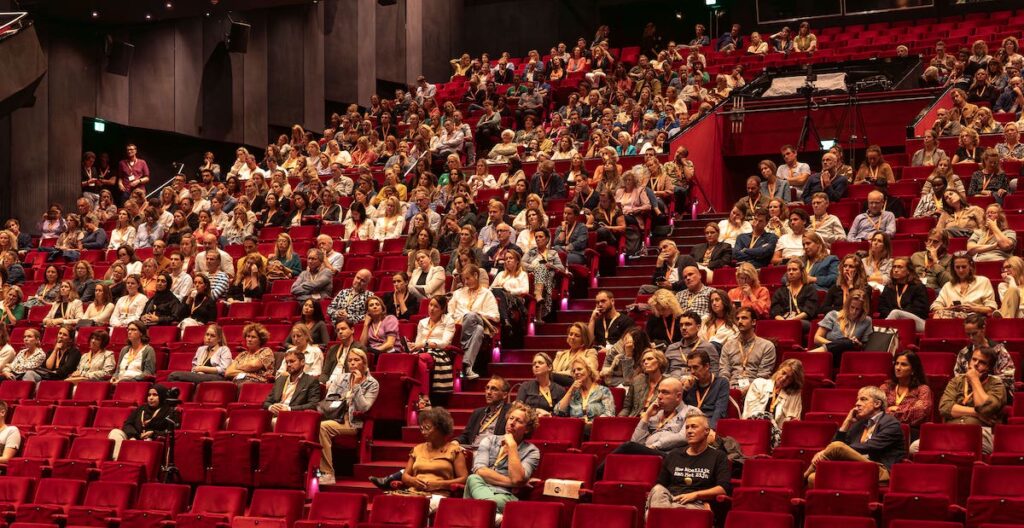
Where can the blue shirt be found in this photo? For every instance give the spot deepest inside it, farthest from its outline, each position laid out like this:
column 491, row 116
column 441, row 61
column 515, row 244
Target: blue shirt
column 487, row 456
column 760, row 255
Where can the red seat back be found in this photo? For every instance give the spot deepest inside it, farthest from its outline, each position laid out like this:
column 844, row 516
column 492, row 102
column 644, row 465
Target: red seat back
column 632, row 468
column 676, row 517
column 606, row 515
column 465, row 513
column 407, row 511
column 754, row 436
column 278, row 504
column 208, row 420
column 338, row 507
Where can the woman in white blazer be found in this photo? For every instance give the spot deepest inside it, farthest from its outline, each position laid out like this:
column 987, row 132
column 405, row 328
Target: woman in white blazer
column 776, row 399
column 427, row 280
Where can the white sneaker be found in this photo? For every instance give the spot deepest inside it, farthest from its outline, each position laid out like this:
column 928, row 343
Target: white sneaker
column 497, row 520
column 470, row 375
column 326, row 480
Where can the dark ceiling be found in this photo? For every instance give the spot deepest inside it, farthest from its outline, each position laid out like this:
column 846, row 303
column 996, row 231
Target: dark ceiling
column 123, row 12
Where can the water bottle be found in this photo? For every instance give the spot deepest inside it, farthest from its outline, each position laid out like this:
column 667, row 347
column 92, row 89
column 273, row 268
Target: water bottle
column 693, row 210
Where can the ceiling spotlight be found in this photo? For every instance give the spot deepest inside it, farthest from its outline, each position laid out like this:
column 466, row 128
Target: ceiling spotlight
column 207, row 14
column 169, row 5
column 95, row 14
column 149, row 16
column 679, row 15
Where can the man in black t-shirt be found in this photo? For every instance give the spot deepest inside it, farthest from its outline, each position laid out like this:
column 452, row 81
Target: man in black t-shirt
column 692, row 476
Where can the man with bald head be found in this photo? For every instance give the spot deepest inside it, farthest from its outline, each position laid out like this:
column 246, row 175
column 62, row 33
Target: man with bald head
column 828, row 181
column 660, row 429
column 695, row 296
column 693, row 475
column 209, row 242
column 350, row 303
column 875, row 219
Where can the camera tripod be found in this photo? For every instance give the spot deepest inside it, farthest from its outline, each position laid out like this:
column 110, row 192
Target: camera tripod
column 808, row 127
column 852, row 116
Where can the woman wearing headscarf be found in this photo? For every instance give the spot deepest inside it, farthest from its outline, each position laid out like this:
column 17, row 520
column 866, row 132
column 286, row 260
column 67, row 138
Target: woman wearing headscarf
column 163, row 308
column 151, row 420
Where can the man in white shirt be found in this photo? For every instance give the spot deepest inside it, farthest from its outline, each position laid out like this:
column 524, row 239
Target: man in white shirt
column 477, row 309
column 793, row 171
column 332, row 258
column 424, row 90
column 226, row 262
column 182, row 285
column 341, row 184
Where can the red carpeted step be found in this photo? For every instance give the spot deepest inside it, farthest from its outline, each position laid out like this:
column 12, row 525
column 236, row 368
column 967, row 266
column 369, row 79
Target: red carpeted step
column 390, row 450
column 632, row 280
column 512, row 370
column 412, row 434
column 353, row 486
column 541, row 342
column 620, row 292
column 464, row 400
column 361, row 472
column 587, row 305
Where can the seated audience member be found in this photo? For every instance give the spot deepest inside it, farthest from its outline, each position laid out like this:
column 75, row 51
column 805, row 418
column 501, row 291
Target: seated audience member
column 10, row 436
column 874, row 169
column 720, row 325
column 772, row 186
column 571, row 235
column 933, row 263
column 797, row 300
column 660, row 429
column 668, row 271
column 380, row 330
column 541, row 393
column 758, row 246
column 1003, row 368
column 905, row 297
column 930, row 204
column 678, row 353
column 959, row 218
column 827, row 226
column 695, row 294
column 435, row 465
column 829, row 181
column 711, row 254
column 994, row 240
column 95, row 364
column 975, row 397
column 776, row 398
column 311, row 316
column 350, row 395
column 622, row 361
column 489, row 420
column 138, row 359
column 692, row 477
column 476, row 309
column 791, row 243
column 876, row 218
column 748, row 357
column 878, row 261
column 302, row 343
column 546, row 267
column 585, row 398
column 130, row 306
column 908, row 397
column 852, row 276
column 1011, row 149
column 749, row 292
column 400, row 302
column 315, row 281
column 255, row 363
column 503, row 463
column 606, row 324
column 1010, row 288
column 211, row 361
column 61, row 362
column 822, row 268
column 201, row 307
column 434, row 334
column 930, row 154
column 846, row 329
column 867, row 434
column 427, row 279
column 662, row 326
column 965, row 293
column 989, row 179
column 494, row 259
column 731, row 227
column 753, row 200
column 578, row 338
column 66, row 308
column 294, row 390
column 152, row 420
column 642, row 388
column 163, row 308
column 705, row 390
column 350, row 303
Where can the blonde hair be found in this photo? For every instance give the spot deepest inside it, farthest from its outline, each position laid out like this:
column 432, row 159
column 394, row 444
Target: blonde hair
column 663, row 300
column 748, row 270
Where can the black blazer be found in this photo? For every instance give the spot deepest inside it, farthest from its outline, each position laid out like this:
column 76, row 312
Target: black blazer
column 886, row 445
column 476, row 419
column 529, row 393
column 914, row 300
column 306, row 396
column 721, row 255
column 806, row 300
column 682, row 261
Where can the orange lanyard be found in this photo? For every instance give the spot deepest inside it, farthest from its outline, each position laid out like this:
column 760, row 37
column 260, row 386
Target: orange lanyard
column 670, row 329
column 899, row 295
column 701, row 397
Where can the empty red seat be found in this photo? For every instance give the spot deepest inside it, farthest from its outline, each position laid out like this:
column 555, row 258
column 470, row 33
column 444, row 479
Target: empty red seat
column 1008, row 444
column 272, row 509
column 334, row 510
column 920, row 491
column 605, row 515
column 67, row 419
column 838, row 521
column 14, row 491
column 801, row 439
column 557, row 434
column 233, row 457
column 212, row 507
column 403, row 510
column 253, row 421
column 956, row 444
column 155, row 504
column 769, row 485
column 843, row 488
column 86, row 453
column 103, row 501
column 626, row 481
column 37, row 455
column 251, row 396
column 754, row 436
column 786, row 334
column 52, row 496
column 997, row 495
column 465, row 513
column 205, row 420
column 52, row 391
column 607, row 432
column 831, row 405
column 28, row 417
column 214, row 394
column 745, row 519
column 526, row 514
column 138, row 460
column 88, row 392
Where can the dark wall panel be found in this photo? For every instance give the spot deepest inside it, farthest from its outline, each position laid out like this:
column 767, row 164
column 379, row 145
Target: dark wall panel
column 391, row 42
column 151, row 81
column 188, row 71
column 442, row 37
column 341, row 44
column 254, row 89
column 285, row 60
column 69, row 100
column 217, row 84
column 313, row 68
